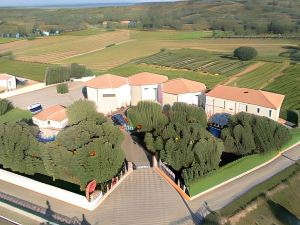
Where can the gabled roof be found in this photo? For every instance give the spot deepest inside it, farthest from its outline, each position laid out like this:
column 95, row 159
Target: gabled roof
column 246, row 95
column 5, row 76
column 107, row 81
column 182, row 86
column 55, row 113
column 146, row 78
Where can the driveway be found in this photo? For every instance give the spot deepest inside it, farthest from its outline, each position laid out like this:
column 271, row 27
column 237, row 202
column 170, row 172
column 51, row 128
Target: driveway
column 48, row 96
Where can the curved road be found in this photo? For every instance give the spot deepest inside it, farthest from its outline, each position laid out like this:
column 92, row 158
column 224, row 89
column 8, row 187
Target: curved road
column 224, row 195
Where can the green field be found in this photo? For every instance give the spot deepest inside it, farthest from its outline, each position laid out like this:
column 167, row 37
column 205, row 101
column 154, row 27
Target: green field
column 196, row 60
column 130, row 69
column 7, row 40
column 32, row 71
column 15, row 115
column 289, row 85
column 259, row 77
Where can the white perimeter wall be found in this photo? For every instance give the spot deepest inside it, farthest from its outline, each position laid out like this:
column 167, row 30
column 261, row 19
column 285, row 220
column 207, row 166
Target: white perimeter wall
column 48, row 190
column 190, row 98
column 217, row 105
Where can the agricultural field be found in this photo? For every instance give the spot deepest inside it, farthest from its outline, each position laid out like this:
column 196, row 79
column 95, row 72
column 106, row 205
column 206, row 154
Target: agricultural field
column 88, row 47
column 288, row 85
column 196, row 60
column 130, row 69
column 57, row 48
column 258, row 78
column 32, row 71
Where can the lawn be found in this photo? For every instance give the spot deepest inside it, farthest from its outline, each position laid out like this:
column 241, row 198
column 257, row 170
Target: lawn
column 288, row 85
column 32, row 71
column 237, row 167
column 130, row 69
column 259, row 77
column 7, row 40
column 15, row 115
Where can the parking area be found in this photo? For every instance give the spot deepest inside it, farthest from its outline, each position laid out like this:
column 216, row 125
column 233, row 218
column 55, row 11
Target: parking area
column 49, row 97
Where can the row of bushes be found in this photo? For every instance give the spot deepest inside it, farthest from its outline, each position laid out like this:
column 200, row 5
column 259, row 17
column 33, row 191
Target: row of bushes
column 61, row 74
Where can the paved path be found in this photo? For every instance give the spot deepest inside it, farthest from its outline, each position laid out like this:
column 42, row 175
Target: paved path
column 49, row 97
column 229, row 192
column 143, row 198
column 134, row 152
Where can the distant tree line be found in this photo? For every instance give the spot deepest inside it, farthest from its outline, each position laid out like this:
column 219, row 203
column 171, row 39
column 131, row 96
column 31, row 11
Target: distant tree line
column 236, row 17
column 61, row 74
column 86, row 150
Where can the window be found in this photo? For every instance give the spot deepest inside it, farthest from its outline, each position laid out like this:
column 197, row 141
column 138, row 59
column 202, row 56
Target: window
column 270, row 113
column 49, row 122
column 258, row 110
column 108, row 95
column 246, row 108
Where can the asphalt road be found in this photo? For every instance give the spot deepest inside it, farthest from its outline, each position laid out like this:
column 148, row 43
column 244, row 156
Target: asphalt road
column 229, row 192
column 49, row 97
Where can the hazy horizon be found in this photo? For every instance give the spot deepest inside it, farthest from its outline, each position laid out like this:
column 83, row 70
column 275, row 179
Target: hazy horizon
column 20, row 3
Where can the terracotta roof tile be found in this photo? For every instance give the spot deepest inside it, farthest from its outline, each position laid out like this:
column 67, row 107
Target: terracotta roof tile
column 107, row 81
column 181, row 86
column 246, row 95
column 146, row 78
column 55, row 113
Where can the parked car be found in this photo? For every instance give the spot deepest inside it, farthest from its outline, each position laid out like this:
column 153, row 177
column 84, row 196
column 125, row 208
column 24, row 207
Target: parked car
column 35, row 108
column 118, row 119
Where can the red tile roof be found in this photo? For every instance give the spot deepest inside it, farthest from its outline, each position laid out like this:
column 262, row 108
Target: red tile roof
column 146, row 78
column 107, row 81
column 182, row 86
column 246, row 95
column 55, row 113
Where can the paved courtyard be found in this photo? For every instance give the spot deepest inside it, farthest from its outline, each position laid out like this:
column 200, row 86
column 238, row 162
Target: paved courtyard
column 49, row 97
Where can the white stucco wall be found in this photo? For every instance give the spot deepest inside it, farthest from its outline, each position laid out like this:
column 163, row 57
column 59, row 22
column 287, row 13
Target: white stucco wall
column 110, row 99
column 52, row 124
column 216, row 105
column 149, row 92
column 9, row 84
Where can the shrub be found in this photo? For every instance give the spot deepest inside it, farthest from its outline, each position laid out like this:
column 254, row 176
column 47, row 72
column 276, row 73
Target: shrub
column 62, row 88
column 293, row 116
column 248, row 134
column 5, row 106
column 245, row 53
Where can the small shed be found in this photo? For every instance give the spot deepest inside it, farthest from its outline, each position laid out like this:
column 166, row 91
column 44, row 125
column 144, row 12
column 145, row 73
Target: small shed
column 53, row 117
column 146, row 87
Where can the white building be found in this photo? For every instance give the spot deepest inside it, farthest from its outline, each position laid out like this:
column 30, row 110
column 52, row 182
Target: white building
column 53, row 117
column 146, row 87
column 109, row 92
column 8, row 82
column 183, row 90
column 232, row 100
column 46, row 33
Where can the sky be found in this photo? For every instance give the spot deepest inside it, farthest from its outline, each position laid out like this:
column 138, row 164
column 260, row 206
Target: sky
column 64, row 2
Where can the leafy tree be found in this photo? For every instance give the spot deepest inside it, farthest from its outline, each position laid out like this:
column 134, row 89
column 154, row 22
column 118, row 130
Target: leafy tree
column 248, row 134
column 293, row 116
column 5, row 106
column 84, row 110
column 245, row 53
column 19, row 149
column 62, row 88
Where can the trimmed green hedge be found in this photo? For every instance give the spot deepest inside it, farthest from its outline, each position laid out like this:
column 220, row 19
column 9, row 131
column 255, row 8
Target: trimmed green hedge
column 62, row 88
